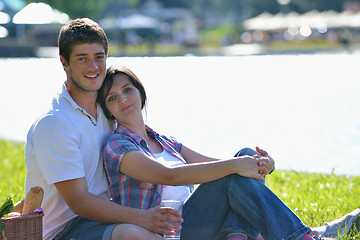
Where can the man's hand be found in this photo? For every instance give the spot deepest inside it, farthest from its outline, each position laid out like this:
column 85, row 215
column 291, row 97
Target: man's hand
column 159, row 219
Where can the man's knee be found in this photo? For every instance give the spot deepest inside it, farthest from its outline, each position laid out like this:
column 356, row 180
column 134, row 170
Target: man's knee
column 132, row 232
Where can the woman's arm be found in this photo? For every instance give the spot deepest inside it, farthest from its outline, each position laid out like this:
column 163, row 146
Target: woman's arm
column 144, row 168
column 193, row 157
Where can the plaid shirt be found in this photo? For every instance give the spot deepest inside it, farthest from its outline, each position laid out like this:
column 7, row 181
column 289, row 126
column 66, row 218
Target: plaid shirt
column 125, row 190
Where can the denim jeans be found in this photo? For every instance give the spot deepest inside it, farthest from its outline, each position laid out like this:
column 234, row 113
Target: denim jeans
column 235, row 203
column 85, row 229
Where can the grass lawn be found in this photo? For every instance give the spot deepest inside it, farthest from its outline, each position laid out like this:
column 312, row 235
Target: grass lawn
column 315, row 198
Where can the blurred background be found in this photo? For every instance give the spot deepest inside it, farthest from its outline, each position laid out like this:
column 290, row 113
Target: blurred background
column 220, row 75
column 180, row 27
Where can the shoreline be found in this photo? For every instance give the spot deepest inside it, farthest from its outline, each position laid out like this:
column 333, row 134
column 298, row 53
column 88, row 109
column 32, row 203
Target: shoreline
column 238, row 49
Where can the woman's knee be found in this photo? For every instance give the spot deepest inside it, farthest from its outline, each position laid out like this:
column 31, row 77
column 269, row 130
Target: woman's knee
column 246, row 182
column 246, row 151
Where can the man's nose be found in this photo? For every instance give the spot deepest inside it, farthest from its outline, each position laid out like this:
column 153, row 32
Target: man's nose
column 93, row 64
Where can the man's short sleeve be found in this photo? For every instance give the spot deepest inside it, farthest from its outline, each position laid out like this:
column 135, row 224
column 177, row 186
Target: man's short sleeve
column 57, row 150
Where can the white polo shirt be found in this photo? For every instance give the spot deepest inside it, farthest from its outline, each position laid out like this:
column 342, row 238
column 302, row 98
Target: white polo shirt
column 63, row 144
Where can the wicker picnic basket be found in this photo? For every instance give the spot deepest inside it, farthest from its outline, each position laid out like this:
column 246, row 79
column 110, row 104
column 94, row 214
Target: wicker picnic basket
column 24, row 227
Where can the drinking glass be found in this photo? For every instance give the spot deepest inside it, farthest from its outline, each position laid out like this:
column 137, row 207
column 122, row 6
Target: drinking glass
column 178, row 206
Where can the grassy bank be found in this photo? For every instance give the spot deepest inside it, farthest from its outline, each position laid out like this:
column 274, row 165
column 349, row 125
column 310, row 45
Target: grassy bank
column 13, row 170
column 315, row 198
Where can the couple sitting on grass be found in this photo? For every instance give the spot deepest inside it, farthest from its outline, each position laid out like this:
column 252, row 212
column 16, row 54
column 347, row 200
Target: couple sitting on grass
column 69, row 147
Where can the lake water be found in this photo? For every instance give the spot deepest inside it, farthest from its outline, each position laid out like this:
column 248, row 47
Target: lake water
column 303, row 109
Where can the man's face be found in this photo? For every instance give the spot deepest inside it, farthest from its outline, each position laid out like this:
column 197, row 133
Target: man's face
column 86, row 68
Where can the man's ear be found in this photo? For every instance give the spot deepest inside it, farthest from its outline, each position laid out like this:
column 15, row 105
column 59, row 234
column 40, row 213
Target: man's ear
column 63, row 62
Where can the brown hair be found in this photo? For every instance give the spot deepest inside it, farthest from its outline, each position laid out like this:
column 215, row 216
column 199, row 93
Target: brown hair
column 81, row 30
column 108, row 82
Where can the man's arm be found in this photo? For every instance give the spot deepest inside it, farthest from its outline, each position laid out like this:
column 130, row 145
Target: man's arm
column 87, row 205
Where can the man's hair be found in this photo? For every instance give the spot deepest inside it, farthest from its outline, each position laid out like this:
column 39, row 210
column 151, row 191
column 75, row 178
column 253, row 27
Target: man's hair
column 78, row 31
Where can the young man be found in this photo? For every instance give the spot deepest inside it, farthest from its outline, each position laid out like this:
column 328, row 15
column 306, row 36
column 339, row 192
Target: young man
column 63, row 151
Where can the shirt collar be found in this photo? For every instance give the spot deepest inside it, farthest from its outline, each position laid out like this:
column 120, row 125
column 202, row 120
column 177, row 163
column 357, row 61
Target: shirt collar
column 123, row 130
column 66, row 95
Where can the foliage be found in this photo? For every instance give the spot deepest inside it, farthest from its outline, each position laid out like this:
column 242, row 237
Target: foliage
column 302, row 6
column 78, row 8
column 217, row 35
column 314, row 197
column 5, row 209
column 240, row 9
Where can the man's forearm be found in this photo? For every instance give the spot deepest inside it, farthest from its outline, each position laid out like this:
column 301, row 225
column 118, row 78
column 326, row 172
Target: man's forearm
column 103, row 210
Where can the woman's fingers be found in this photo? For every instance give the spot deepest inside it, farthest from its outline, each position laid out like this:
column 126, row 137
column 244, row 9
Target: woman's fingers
column 261, row 151
column 253, row 167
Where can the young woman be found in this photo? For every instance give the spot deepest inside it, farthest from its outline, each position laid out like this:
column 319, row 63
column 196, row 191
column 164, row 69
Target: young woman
column 144, row 167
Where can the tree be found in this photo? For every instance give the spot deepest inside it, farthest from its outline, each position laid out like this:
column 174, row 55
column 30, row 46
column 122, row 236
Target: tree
column 217, row 8
column 302, row 6
column 78, row 8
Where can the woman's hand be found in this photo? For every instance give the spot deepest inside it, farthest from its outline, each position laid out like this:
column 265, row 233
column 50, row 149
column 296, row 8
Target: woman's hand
column 159, row 219
column 252, row 166
column 270, row 166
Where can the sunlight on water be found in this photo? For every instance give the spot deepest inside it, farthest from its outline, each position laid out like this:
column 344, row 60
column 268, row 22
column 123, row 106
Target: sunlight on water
column 303, row 109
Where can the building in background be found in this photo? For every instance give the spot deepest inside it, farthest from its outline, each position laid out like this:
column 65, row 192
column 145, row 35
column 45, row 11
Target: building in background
column 328, row 25
column 31, row 28
column 150, row 24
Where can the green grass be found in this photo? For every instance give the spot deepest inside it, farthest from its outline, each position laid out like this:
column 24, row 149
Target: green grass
column 315, row 198
column 13, row 170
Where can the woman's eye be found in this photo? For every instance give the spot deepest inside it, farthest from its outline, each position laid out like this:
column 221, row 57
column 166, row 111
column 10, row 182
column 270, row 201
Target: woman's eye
column 111, row 98
column 127, row 90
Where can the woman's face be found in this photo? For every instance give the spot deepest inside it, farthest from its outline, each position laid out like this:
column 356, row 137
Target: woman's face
column 123, row 100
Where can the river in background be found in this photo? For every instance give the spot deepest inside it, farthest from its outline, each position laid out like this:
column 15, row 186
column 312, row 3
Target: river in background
column 303, row 109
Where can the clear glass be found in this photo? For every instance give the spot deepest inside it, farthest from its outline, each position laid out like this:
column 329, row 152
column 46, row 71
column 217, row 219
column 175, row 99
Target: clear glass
column 178, row 206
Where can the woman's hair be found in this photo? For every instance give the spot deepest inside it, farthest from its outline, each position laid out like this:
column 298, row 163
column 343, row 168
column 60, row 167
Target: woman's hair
column 108, row 82
column 81, row 30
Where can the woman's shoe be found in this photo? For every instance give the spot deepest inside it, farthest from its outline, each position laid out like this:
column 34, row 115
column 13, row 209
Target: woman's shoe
column 341, row 226
column 322, row 238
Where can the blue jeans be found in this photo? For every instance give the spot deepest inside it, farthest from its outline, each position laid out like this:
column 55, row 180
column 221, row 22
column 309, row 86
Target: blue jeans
column 235, row 203
column 85, row 229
